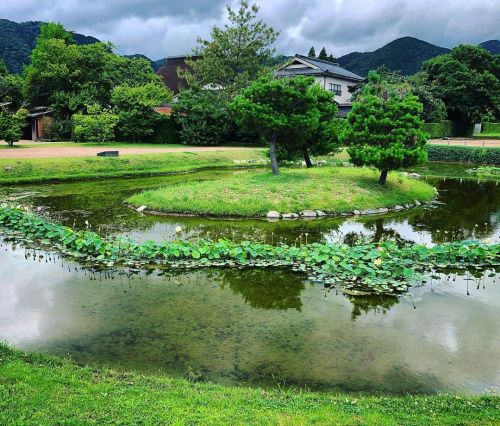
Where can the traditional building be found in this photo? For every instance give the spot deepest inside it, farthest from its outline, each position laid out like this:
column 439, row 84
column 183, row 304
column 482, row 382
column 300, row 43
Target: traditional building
column 330, row 76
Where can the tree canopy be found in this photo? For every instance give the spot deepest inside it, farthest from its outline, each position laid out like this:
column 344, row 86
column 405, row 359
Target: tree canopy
column 384, row 128
column 282, row 111
column 236, row 54
column 467, row 81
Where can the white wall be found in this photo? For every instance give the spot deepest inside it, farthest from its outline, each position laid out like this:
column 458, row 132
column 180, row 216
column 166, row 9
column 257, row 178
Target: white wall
column 324, row 82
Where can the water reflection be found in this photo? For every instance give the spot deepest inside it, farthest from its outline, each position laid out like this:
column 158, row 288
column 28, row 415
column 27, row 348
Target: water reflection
column 255, row 327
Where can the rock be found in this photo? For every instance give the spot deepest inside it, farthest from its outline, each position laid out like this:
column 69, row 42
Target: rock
column 141, row 209
column 404, row 173
column 356, row 212
column 309, row 213
column 398, row 208
column 320, row 163
column 414, row 175
column 369, row 211
column 9, row 168
column 321, row 213
column 290, row 216
column 418, row 203
column 273, row 215
column 383, row 210
column 108, row 154
column 407, row 206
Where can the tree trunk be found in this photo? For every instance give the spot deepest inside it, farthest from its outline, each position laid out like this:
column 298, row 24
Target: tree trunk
column 307, row 159
column 383, row 177
column 272, row 154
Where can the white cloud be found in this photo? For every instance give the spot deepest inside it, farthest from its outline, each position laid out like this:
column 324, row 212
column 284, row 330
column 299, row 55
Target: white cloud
column 164, row 27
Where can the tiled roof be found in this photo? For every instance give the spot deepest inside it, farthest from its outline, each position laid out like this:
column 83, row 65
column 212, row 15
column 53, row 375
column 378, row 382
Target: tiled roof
column 325, row 67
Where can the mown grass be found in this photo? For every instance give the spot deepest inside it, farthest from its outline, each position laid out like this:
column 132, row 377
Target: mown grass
column 42, row 390
column 67, row 169
column 251, row 193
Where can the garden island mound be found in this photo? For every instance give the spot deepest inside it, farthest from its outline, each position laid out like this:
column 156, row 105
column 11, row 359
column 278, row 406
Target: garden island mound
column 251, row 193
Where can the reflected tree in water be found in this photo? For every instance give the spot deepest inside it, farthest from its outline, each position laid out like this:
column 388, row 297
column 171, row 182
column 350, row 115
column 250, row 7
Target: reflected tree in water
column 260, row 289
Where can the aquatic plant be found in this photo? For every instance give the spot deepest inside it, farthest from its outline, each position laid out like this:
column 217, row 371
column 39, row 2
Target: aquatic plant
column 384, row 267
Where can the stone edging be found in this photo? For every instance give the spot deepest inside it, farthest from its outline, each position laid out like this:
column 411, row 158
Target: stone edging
column 318, row 214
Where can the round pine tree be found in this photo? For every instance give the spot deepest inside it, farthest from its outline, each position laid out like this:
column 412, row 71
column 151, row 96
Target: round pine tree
column 385, row 128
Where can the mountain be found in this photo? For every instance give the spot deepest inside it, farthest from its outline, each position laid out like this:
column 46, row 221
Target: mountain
column 17, row 40
column 492, row 46
column 404, row 54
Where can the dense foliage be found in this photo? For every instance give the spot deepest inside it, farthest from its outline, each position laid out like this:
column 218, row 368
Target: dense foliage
column 464, row 154
column 490, row 128
column 98, row 125
column 438, row 130
column 467, row 80
column 235, row 55
column 385, row 128
column 203, row 117
column 383, row 267
column 17, row 40
column 68, row 78
column 11, row 124
column 134, row 106
column 287, row 112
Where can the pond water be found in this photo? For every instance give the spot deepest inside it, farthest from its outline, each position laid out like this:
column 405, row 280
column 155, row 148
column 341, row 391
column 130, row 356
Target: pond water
column 255, row 326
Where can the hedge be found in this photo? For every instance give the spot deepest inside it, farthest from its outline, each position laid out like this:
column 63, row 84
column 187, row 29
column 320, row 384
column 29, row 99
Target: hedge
column 438, row 130
column 464, row 154
column 491, row 128
column 166, row 131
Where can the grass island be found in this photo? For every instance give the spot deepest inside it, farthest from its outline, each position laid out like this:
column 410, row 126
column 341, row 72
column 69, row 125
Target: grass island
column 250, row 193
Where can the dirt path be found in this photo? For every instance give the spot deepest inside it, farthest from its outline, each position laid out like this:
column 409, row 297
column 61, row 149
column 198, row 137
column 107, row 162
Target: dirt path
column 65, row 152
column 467, row 142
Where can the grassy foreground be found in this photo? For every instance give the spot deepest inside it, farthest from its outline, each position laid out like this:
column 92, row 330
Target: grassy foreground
column 41, row 389
column 66, row 169
column 250, row 193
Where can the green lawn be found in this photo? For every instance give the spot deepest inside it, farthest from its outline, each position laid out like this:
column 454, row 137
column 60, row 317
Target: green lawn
column 252, row 193
column 86, row 168
column 43, row 390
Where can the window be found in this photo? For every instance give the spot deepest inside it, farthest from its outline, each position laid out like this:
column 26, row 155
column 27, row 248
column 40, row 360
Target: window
column 336, row 88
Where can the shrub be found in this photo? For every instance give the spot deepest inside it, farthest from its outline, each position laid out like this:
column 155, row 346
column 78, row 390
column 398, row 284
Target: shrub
column 491, row 128
column 166, row 131
column 135, row 109
column 96, row 126
column 203, row 117
column 438, row 130
column 464, row 154
column 11, row 125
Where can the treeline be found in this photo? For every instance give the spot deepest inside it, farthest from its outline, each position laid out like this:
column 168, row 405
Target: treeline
column 96, row 95
column 93, row 94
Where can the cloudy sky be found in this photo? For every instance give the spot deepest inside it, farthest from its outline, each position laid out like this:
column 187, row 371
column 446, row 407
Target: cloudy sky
column 159, row 28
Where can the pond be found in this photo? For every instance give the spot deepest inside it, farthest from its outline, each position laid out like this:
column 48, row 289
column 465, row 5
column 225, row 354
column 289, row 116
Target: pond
column 252, row 326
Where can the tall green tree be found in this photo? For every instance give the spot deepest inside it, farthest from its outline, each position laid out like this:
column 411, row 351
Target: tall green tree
column 281, row 111
column 323, row 55
column 236, row 53
column 134, row 107
column 312, row 52
column 384, row 128
column 11, row 124
column 332, row 59
column 467, row 81
column 10, row 87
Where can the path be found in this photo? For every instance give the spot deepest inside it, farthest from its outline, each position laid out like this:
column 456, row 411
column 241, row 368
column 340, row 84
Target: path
column 46, row 151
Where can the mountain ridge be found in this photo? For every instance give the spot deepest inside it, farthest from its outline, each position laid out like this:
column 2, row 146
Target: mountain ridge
column 405, row 54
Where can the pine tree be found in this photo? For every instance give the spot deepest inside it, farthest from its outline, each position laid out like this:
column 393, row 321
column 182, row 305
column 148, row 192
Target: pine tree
column 323, row 55
column 312, row 52
column 332, row 59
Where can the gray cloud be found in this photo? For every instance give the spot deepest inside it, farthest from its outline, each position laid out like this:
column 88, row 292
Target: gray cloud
column 164, row 27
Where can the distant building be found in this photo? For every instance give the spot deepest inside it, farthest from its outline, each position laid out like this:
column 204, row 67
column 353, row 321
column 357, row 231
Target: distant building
column 328, row 75
column 169, row 72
